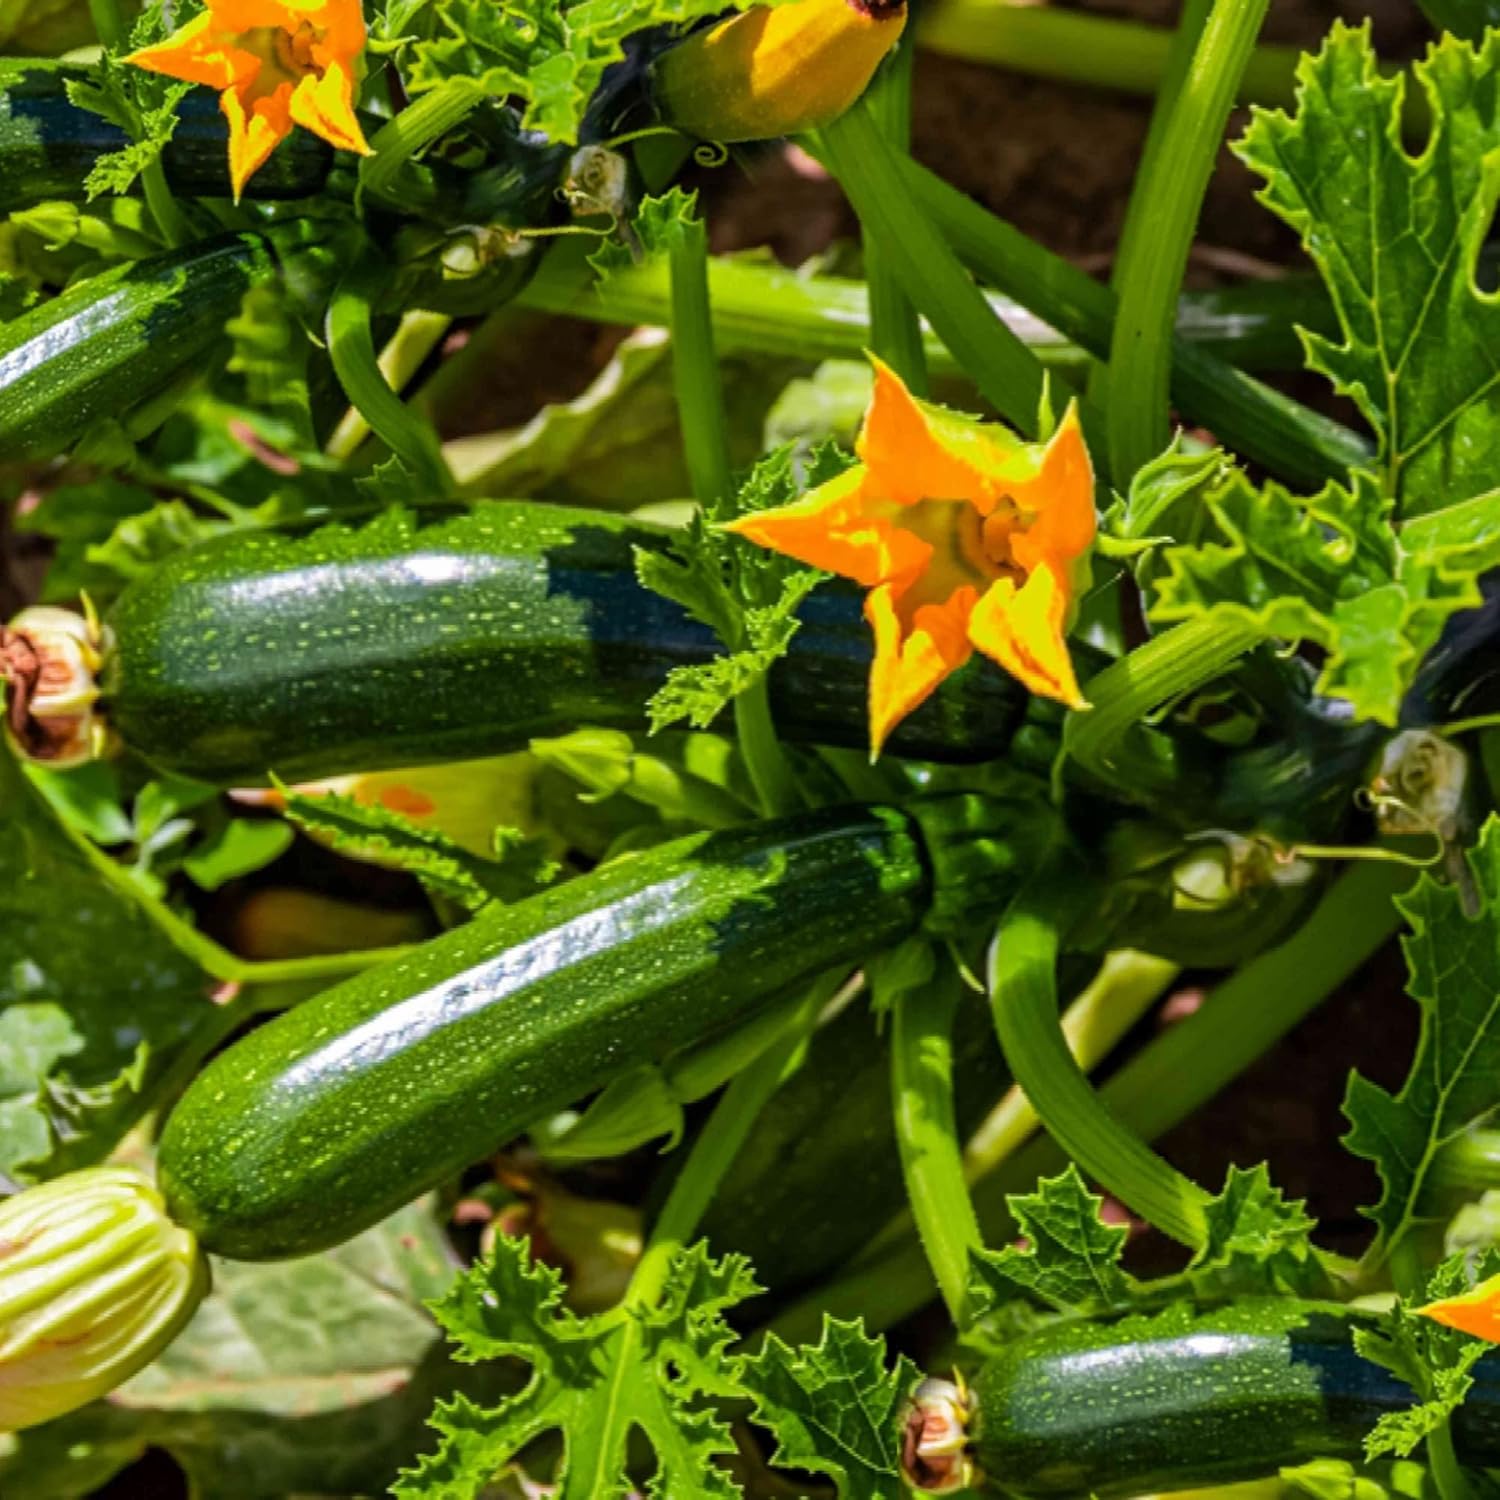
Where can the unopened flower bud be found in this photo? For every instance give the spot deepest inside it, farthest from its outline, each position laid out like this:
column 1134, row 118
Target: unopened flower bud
column 95, row 1281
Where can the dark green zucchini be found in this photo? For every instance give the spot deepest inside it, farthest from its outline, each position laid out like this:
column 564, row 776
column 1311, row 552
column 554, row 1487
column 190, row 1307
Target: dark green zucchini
column 409, row 642
column 820, row 1174
column 116, row 340
column 48, row 145
column 333, row 1115
column 1186, row 1398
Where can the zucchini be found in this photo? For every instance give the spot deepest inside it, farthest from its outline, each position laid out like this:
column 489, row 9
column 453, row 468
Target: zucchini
column 116, row 340
column 327, row 1119
column 1187, row 1398
column 409, row 641
column 49, row 145
column 819, row 1173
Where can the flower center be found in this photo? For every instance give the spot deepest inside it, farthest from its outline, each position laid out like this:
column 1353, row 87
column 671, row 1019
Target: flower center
column 285, row 56
column 975, row 548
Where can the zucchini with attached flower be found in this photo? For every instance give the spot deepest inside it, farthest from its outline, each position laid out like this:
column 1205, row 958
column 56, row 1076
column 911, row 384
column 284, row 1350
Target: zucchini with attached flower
column 410, row 641
column 334, row 1114
column 1174, row 1401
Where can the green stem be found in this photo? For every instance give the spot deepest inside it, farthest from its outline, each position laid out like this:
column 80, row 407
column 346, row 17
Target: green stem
column 1170, row 189
column 351, row 348
column 417, row 335
column 718, row 1143
column 109, row 24
column 1138, row 213
column 895, row 327
column 1295, row 443
column 1023, row 996
column 423, row 121
column 768, row 309
column 1127, row 985
column 1163, row 1085
column 705, row 443
column 927, row 1133
column 695, row 370
column 1470, row 1161
column 1108, row 742
column 1007, row 373
column 1442, row 1459
column 1076, row 47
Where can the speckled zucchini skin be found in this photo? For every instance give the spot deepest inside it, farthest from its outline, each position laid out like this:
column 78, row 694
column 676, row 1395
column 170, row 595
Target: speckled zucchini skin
column 327, row 1119
column 116, row 340
column 48, row 145
column 411, row 642
column 1187, row 1398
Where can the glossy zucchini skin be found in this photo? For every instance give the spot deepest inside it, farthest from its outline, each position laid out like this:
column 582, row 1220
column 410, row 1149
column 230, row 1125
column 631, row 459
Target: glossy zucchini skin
column 1187, row 1398
column 322, row 1122
column 48, row 145
column 116, row 340
column 411, row 641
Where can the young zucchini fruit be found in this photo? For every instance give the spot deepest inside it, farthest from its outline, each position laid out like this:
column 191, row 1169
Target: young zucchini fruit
column 117, row 340
column 327, row 1119
column 410, row 641
column 1186, row 1399
column 772, row 71
column 49, row 145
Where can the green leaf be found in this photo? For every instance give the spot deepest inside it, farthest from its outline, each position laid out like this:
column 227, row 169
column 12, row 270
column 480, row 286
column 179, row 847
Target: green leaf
column 1252, row 1225
column 1072, row 1260
column 747, row 595
column 1330, row 568
column 1454, row 964
column 238, row 847
column 593, row 1380
column 306, row 1377
column 1433, row 1360
column 142, row 104
column 834, row 1408
column 93, row 999
column 370, row 832
column 1397, row 239
column 549, row 54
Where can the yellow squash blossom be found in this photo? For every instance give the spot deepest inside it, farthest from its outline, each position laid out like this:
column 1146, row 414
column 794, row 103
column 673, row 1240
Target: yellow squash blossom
column 965, row 536
column 1476, row 1311
column 277, row 63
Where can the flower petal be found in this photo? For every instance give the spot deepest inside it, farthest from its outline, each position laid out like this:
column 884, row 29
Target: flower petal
column 919, row 453
column 255, row 133
column 1022, row 629
column 1476, row 1312
column 839, row 527
column 1061, row 495
column 195, row 54
column 325, row 106
column 912, row 656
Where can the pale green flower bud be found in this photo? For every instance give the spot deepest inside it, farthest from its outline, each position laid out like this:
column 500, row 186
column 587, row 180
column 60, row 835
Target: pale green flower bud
column 95, row 1281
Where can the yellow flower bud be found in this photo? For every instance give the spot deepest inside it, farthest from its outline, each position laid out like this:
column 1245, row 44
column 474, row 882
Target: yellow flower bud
column 95, row 1281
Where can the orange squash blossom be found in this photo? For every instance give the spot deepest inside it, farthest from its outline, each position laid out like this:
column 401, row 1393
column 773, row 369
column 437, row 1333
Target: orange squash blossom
column 966, row 538
column 1476, row 1311
column 277, row 63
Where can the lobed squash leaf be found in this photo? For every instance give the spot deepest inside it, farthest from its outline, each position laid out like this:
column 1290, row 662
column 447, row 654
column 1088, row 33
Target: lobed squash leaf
column 1433, row 1360
column 1331, row 568
column 834, row 1408
column 594, row 1380
column 1397, row 239
column 1454, row 964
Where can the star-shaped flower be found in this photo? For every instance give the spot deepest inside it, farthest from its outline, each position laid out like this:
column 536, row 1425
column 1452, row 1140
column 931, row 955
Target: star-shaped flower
column 277, row 63
column 965, row 536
